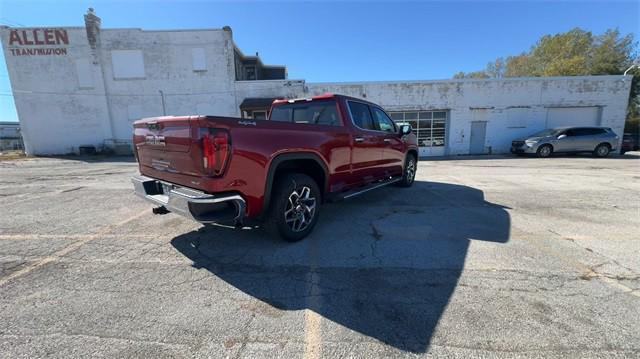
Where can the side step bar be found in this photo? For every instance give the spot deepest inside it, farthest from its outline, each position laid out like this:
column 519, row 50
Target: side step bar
column 358, row 191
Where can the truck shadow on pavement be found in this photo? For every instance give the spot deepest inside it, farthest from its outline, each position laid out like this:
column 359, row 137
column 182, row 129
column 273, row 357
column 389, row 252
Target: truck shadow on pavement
column 384, row 265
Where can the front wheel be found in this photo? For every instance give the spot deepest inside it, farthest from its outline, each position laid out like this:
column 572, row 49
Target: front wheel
column 409, row 174
column 602, row 150
column 544, row 151
column 294, row 208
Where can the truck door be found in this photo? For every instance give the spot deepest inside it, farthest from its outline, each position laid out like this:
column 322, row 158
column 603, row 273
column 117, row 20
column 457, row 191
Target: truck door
column 393, row 151
column 368, row 145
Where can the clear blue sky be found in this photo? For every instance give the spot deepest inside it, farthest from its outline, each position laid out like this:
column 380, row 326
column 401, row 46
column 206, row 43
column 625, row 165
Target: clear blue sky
column 340, row 41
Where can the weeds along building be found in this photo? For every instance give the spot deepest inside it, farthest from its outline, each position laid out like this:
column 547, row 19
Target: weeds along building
column 84, row 86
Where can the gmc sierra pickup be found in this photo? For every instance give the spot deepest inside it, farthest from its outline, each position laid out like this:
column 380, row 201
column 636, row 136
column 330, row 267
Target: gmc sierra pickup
column 276, row 171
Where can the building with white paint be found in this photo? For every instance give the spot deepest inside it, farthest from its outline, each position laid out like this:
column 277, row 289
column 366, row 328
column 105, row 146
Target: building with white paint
column 84, row 86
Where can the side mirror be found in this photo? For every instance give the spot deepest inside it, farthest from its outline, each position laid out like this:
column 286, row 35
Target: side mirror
column 562, row 136
column 405, row 130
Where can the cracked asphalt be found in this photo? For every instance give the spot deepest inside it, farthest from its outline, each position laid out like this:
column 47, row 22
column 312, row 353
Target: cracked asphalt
column 483, row 257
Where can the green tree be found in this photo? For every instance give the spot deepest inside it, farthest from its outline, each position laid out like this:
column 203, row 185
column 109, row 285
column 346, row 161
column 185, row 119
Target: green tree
column 612, row 53
column 519, row 66
column 573, row 53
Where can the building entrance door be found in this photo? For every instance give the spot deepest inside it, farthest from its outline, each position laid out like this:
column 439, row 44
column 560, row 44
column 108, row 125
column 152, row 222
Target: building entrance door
column 477, row 139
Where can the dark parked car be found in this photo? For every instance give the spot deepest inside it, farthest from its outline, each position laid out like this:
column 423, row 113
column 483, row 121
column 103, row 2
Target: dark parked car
column 630, row 142
column 598, row 140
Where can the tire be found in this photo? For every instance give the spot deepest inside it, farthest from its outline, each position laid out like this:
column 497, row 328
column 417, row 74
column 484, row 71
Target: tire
column 602, row 150
column 294, row 207
column 544, row 151
column 409, row 172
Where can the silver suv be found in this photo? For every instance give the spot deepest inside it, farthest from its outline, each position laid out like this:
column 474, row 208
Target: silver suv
column 597, row 140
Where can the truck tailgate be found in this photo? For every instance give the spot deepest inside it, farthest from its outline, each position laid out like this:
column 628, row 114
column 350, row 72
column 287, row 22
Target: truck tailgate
column 177, row 149
column 166, row 144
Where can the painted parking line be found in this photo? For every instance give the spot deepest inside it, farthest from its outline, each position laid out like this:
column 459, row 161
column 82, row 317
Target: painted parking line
column 39, row 236
column 313, row 320
column 66, row 250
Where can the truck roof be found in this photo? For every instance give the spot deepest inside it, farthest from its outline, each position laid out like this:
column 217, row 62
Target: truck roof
column 324, row 96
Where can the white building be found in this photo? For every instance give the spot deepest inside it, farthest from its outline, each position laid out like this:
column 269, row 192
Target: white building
column 78, row 86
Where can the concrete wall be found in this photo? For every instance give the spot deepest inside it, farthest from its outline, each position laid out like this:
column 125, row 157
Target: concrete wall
column 64, row 101
column 55, row 113
column 168, row 68
column 492, row 101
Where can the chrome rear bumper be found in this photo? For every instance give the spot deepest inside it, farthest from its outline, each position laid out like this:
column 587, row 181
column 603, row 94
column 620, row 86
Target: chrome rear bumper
column 191, row 203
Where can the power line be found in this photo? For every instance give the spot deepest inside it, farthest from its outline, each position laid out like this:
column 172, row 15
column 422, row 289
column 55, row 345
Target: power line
column 9, row 22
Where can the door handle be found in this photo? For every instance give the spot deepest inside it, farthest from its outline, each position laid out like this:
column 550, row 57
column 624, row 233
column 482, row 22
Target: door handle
column 359, row 139
column 387, row 140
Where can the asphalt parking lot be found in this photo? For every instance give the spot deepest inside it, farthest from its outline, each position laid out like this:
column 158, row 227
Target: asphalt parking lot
column 492, row 257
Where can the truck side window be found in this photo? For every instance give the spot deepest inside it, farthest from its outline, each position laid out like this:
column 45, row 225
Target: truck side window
column 383, row 121
column 361, row 115
column 315, row 112
column 281, row 114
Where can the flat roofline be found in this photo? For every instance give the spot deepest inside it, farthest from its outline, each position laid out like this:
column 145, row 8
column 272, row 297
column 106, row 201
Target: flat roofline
column 590, row 77
column 110, row 28
column 257, row 58
column 40, row 27
column 159, row 30
column 270, row 80
column 274, row 66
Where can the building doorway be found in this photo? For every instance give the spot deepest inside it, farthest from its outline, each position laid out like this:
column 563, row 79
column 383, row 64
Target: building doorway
column 478, row 137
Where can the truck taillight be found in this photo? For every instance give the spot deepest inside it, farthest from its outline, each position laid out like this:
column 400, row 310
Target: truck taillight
column 216, row 148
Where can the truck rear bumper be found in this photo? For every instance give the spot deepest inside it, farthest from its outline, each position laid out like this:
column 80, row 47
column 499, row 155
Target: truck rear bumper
column 193, row 204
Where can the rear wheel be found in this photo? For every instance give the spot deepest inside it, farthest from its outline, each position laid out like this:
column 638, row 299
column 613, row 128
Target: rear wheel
column 409, row 174
column 544, row 151
column 602, row 150
column 294, row 208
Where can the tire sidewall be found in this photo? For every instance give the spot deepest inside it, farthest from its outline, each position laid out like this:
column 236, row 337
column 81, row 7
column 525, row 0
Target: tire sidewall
column 597, row 151
column 276, row 223
column 406, row 181
column 540, row 151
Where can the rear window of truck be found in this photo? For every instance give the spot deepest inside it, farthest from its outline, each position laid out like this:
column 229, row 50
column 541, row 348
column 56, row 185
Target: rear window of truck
column 314, row 112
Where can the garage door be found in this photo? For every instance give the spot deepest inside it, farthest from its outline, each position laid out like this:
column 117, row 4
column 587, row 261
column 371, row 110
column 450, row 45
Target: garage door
column 573, row 116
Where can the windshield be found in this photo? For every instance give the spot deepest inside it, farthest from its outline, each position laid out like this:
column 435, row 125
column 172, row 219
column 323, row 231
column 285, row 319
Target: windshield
column 547, row 132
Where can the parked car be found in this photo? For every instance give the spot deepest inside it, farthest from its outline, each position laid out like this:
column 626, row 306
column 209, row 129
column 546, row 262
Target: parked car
column 598, row 140
column 278, row 170
column 630, row 142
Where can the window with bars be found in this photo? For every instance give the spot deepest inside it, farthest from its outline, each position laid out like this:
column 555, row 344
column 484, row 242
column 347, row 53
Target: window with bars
column 429, row 126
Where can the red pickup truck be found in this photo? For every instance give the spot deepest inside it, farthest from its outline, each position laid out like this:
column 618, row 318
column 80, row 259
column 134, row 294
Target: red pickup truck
column 277, row 171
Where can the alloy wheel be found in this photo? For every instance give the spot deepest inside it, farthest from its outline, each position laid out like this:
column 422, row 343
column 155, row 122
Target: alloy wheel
column 300, row 209
column 411, row 170
column 545, row 151
column 603, row 151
